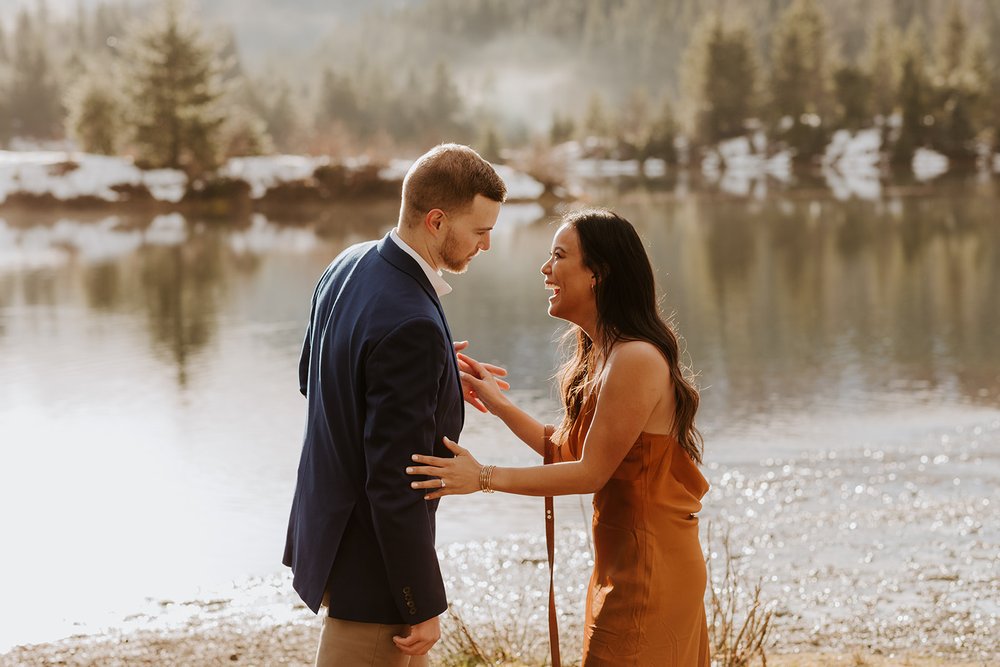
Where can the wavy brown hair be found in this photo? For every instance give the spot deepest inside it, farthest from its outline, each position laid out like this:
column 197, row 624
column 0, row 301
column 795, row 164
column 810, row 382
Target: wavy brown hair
column 626, row 310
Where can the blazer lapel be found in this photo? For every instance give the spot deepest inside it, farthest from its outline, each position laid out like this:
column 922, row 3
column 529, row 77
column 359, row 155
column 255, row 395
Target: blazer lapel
column 395, row 255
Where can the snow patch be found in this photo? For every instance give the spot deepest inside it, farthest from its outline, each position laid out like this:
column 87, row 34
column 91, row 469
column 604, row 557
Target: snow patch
column 395, row 170
column 166, row 184
column 928, row 164
column 520, row 186
column 66, row 176
column 859, row 152
column 266, row 171
column 851, row 164
column 518, row 215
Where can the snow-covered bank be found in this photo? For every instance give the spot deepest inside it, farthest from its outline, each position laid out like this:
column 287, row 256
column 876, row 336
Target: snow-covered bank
column 68, row 176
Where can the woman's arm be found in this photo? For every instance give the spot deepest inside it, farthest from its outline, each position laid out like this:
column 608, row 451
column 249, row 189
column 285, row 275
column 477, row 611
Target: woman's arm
column 632, row 388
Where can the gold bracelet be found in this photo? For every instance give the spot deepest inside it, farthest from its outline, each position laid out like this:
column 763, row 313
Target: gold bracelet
column 486, row 479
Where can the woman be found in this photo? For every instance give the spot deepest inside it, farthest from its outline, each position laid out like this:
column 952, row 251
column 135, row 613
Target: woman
column 628, row 436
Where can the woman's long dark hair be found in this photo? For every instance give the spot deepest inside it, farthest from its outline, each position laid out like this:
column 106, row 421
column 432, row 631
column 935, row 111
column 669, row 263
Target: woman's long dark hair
column 626, row 310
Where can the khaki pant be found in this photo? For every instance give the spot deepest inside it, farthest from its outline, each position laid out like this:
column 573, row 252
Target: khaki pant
column 353, row 644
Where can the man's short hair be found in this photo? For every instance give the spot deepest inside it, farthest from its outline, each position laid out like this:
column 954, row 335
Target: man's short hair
column 448, row 177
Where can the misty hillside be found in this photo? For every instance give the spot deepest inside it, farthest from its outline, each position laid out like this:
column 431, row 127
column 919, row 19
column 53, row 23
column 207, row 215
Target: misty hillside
column 329, row 76
column 522, row 56
column 517, row 47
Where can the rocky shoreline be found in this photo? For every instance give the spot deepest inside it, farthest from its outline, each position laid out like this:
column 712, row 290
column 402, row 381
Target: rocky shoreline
column 498, row 596
column 252, row 639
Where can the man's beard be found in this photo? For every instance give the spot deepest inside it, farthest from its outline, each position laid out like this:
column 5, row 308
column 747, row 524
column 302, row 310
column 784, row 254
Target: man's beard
column 451, row 258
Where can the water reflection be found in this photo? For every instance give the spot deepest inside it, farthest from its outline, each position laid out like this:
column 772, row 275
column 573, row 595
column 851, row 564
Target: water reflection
column 181, row 286
column 790, row 297
column 807, row 300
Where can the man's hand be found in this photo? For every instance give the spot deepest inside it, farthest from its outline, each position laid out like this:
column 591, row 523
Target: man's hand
column 421, row 638
column 468, row 392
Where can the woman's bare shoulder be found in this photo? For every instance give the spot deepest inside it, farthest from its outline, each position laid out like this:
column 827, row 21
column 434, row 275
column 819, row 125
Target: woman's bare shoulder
column 637, row 356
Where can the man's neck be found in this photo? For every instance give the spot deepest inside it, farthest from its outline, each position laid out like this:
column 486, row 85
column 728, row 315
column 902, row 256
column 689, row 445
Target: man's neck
column 418, row 243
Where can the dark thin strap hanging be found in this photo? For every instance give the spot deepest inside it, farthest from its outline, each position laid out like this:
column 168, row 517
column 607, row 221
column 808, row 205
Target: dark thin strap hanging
column 550, row 535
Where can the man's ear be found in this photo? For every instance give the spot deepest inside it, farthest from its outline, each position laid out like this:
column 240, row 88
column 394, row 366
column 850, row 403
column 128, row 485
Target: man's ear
column 433, row 220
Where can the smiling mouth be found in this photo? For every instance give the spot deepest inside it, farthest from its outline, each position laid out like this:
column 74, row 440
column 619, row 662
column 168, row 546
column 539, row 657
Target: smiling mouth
column 555, row 290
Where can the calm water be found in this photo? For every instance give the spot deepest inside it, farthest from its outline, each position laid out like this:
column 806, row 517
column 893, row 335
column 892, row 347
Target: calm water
column 150, row 421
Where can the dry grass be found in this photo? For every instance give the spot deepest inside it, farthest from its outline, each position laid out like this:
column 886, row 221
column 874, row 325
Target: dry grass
column 739, row 622
column 511, row 641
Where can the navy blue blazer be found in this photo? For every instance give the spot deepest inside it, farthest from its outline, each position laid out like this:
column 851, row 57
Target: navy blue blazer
column 380, row 376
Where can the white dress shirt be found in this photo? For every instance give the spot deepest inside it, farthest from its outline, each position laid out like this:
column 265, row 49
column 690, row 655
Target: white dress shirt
column 437, row 282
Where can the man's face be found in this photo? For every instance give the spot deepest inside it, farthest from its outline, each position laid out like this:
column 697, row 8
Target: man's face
column 467, row 233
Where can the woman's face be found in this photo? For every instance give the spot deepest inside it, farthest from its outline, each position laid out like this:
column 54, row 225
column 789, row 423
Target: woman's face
column 571, row 282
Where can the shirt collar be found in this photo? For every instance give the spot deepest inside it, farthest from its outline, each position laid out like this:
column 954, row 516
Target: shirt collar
column 437, row 282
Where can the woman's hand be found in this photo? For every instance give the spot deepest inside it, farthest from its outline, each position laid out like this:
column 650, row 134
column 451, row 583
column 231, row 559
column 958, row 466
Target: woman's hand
column 465, row 365
column 481, row 382
column 454, row 476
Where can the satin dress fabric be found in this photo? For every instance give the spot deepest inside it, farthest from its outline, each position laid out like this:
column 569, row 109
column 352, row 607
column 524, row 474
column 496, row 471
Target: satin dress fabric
column 646, row 599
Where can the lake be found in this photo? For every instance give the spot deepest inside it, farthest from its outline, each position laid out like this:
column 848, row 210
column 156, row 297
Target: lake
column 848, row 353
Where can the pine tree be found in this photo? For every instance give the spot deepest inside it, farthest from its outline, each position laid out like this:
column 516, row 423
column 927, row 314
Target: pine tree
column 854, row 94
column 94, row 111
column 951, row 47
column 3, row 43
column 956, row 89
column 883, row 68
column 561, row 129
column 663, row 135
column 34, row 108
column 444, row 103
column 914, row 89
column 633, row 126
column 173, row 87
column 283, row 123
column 490, row 143
column 720, row 80
column 907, row 11
column 338, row 103
column 986, row 75
column 229, row 55
column 244, row 133
column 595, row 122
column 801, row 79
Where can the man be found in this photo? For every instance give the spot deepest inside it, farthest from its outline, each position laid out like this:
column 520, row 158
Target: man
column 381, row 378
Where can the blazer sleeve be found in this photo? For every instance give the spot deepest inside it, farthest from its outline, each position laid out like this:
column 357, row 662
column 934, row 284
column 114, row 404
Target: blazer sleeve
column 402, row 377
column 304, row 360
column 306, row 355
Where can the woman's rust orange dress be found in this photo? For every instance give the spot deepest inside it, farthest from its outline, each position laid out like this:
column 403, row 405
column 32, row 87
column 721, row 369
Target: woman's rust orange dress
column 646, row 600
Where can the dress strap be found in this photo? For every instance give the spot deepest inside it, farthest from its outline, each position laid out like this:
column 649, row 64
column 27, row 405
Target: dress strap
column 550, row 532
